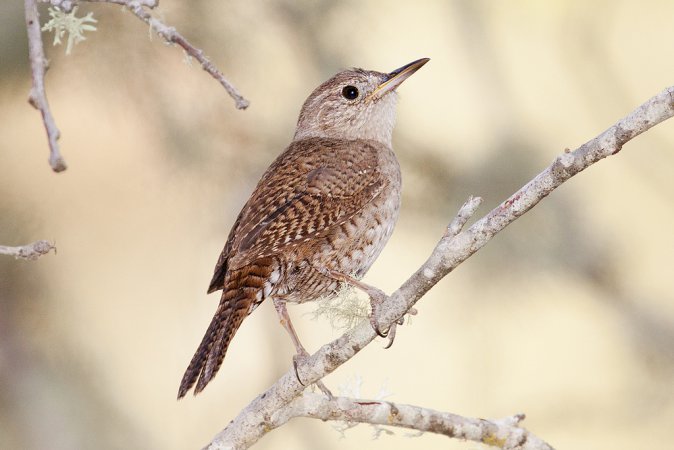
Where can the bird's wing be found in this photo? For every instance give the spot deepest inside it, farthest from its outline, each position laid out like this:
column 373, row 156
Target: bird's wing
column 313, row 186
column 218, row 280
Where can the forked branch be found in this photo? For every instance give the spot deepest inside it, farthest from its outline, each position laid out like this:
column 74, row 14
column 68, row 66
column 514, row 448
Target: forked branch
column 39, row 65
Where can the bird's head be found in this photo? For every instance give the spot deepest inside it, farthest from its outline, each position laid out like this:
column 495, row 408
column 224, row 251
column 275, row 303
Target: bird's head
column 354, row 104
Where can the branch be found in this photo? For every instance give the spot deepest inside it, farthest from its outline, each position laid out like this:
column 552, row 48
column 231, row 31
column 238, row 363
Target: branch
column 170, row 35
column 68, row 5
column 38, row 96
column 503, row 433
column 39, row 65
column 255, row 420
column 29, row 251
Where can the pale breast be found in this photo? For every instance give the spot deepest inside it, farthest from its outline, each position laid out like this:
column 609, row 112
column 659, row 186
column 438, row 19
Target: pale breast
column 367, row 234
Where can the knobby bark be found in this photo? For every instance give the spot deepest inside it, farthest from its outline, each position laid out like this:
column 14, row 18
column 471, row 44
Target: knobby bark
column 29, row 251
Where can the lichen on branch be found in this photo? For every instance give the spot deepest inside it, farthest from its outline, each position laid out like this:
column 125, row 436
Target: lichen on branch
column 67, row 23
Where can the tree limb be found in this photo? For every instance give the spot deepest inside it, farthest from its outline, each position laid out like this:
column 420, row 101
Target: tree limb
column 504, row 433
column 170, row 35
column 29, row 251
column 38, row 96
column 257, row 419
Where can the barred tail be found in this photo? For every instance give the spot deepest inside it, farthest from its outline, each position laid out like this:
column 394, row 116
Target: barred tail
column 242, row 293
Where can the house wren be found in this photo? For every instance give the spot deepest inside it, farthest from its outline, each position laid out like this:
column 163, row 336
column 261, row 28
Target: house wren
column 318, row 218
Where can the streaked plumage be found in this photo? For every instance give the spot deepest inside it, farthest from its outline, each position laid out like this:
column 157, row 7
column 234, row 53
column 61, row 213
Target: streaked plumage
column 326, row 205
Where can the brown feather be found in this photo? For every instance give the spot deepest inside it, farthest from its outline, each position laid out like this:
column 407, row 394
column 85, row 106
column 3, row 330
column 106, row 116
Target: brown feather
column 240, row 297
column 306, row 200
column 326, row 205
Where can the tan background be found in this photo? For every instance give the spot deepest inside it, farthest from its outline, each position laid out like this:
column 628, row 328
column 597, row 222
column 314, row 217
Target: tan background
column 568, row 315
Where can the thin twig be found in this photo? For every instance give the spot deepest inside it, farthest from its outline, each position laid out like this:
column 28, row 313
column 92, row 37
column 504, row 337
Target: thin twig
column 29, row 251
column 452, row 250
column 146, row 3
column 38, row 96
column 68, row 5
column 39, row 65
column 172, row 36
column 465, row 213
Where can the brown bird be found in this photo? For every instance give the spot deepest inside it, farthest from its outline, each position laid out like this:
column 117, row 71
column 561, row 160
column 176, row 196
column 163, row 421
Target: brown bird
column 318, row 218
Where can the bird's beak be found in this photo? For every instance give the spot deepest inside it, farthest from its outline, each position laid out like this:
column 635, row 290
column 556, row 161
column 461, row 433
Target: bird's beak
column 396, row 77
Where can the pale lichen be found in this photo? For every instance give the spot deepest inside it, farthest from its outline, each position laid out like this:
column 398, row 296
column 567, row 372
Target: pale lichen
column 344, row 310
column 62, row 23
column 492, row 440
column 351, row 388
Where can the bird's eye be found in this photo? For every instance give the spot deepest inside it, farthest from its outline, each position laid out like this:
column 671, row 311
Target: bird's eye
column 350, row 92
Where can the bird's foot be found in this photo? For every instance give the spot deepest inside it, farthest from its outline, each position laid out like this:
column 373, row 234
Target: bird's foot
column 377, row 298
column 376, row 301
column 300, row 358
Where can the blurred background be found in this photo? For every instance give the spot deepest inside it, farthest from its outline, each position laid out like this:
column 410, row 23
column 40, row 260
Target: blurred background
column 567, row 315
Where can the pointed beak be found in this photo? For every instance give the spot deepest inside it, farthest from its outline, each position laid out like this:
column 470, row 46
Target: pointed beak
column 395, row 78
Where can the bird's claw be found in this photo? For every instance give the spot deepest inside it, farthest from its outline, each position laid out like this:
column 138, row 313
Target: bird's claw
column 375, row 327
column 375, row 301
column 298, row 359
column 391, row 333
column 377, row 298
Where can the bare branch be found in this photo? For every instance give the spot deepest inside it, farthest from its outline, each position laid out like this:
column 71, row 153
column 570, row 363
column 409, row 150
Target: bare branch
column 465, row 213
column 38, row 96
column 253, row 422
column 172, row 36
column 39, row 65
column 504, row 433
column 147, row 3
column 29, row 251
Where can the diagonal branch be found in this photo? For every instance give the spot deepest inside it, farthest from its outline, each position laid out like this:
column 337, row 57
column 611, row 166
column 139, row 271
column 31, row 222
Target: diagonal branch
column 29, row 251
column 172, row 36
column 38, row 96
column 504, row 433
column 255, row 420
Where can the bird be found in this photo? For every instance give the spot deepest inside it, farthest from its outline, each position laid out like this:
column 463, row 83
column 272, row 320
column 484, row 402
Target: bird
column 319, row 216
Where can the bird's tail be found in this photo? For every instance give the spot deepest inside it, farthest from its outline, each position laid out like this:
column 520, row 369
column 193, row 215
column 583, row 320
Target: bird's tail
column 241, row 294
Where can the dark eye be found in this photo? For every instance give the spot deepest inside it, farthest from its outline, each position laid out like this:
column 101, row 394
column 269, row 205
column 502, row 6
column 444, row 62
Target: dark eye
column 350, row 92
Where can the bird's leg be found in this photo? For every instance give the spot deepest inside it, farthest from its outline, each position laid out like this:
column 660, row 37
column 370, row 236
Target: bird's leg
column 377, row 298
column 282, row 312
column 302, row 353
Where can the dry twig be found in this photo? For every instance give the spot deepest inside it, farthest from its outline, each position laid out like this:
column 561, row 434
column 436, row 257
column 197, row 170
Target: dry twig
column 38, row 96
column 38, row 62
column 170, row 35
column 29, row 251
